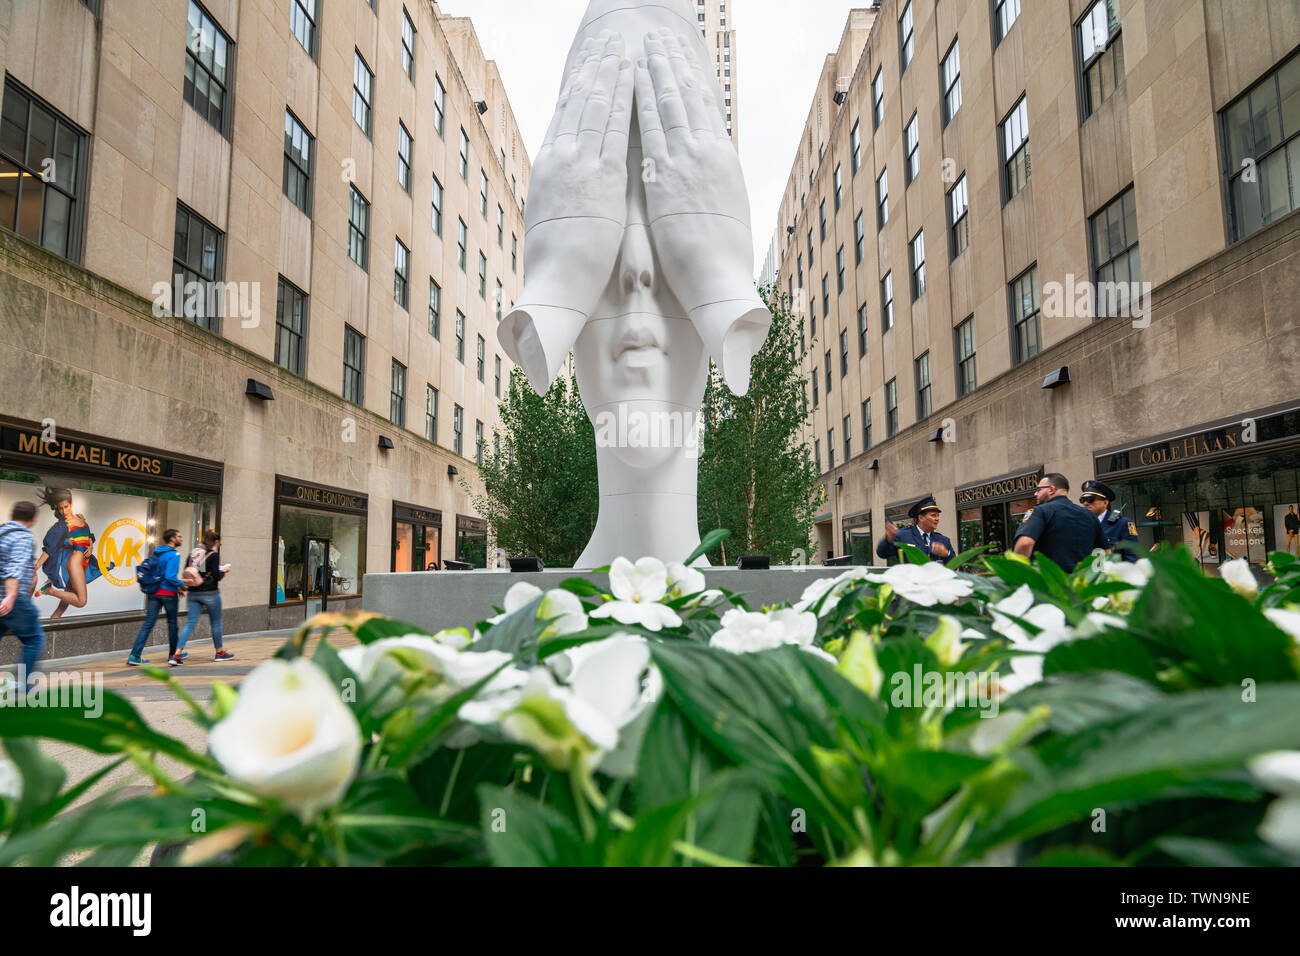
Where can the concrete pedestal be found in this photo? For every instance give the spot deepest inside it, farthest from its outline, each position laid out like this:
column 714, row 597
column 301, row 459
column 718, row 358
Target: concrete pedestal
column 440, row 599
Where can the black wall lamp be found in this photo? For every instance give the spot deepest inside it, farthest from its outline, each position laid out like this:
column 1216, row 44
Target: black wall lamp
column 936, row 435
column 385, row 442
column 754, row 562
column 1058, row 378
column 259, row 390
column 451, row 471
column 875, row 465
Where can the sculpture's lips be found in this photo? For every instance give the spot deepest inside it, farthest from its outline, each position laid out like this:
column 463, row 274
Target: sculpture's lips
column 637, row 339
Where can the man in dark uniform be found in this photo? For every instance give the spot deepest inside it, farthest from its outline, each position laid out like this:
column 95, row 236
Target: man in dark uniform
column 1057, row 527
column 922, row 535
column 1097, row 497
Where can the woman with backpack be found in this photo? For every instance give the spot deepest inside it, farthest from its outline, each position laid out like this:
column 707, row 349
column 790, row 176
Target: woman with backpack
column 202, row 574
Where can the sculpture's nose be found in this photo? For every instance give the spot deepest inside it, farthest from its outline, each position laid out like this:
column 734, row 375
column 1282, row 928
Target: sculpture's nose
column 636, row 262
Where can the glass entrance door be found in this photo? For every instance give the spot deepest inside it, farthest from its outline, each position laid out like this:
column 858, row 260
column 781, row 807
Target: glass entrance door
column 317, row 574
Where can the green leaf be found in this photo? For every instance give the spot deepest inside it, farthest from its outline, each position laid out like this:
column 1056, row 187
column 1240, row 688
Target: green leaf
column 1014, row 573
column 1109, row 650
column 378, row 628
column 1077, row 701
column 1200, row 851
column 515, row 634
column 42, row 778
column 707, row 544
column 520, row 831
column 1075, row 856
column 918, row 781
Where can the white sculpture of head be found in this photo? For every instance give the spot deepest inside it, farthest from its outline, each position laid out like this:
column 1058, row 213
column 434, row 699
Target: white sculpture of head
column 638, row 256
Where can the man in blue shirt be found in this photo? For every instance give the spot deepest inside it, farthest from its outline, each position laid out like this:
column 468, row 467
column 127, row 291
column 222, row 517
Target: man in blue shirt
column 1097, row 497
column 923, row 534
column 166, row 598
column 1057, row 527
column 17, row 611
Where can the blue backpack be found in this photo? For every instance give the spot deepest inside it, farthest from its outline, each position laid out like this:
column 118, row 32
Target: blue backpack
column 149, row 574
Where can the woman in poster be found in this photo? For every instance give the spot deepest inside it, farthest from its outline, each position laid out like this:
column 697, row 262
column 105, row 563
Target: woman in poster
column 67, row 553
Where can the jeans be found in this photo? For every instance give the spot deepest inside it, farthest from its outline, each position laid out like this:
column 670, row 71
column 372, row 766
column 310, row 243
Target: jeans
column 25, row 622
column 195, row 605
column 153, row 603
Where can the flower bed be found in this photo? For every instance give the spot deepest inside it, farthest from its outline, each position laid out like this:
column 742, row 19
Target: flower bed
column 1125, row 714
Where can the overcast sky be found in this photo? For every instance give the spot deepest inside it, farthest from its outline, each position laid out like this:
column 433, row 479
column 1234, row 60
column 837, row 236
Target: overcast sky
column 781, row 47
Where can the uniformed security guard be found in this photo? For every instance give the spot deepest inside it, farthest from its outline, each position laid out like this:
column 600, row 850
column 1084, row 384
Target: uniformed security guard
column 1097, row 497
column 1057, row 527
column 922, row 535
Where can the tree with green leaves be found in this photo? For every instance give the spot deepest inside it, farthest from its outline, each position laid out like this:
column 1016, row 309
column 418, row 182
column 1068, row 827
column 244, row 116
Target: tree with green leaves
column 757, row 478
column 539, row 474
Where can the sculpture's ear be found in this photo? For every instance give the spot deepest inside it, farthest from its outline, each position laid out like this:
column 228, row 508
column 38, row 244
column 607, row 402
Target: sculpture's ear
column 733, row 331
column 537, row 338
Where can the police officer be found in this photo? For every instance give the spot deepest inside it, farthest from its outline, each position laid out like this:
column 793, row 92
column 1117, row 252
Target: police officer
column 1057, row 527
column 921, row 535
column 1097, row 497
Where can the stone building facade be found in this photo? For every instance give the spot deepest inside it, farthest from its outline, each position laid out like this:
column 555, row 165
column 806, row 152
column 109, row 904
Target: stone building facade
column 340, row 187
column 1005, row 190
column 716, row 20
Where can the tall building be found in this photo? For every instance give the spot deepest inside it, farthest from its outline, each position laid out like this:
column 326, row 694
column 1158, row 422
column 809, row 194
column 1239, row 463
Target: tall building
column 1053, row 237
column 253, row 255
column 718, row 27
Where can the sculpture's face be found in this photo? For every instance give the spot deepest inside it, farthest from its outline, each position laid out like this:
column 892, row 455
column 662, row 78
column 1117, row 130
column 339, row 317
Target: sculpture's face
column 639, row 355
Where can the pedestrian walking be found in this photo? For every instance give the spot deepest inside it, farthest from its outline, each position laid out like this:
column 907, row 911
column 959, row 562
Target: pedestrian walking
column 1058, row 528
column 203, row 574
column 17, row 569
column 163, row 592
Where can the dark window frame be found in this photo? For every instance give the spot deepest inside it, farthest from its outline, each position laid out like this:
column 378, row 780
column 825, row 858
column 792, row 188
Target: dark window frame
column 291, row 342
column 354, row 375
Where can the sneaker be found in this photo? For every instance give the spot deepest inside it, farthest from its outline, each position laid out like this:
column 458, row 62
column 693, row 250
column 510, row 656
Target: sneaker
column 175, row 661
column 134, row 661
column 224, row 655
column 183, row 654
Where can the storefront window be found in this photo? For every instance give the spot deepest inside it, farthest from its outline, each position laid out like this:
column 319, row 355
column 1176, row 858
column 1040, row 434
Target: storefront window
column 858, row 543
column 471, row 541
column 319, row 553
column 91, row 535
column 417, row 538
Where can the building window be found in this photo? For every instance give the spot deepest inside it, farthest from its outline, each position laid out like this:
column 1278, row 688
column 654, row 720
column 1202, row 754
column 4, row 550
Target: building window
column 828, row 373
column 848, row 438
column 478, row 443
column 436, row 212
column 816, row 390
column 1262, row 126
column 457, row 429
column 297, row 163
column 42, row 174
column 354, row 365
column 460, row 336
column 912, row 145
column 855, row 148
column 496, row 375
column 839, row 188
column 1101, row 54
column 464, row 155
column 810, row 249
column 878, row 98
column 891, row 408
column 887, row 302
column 823, row 221
column 964, row 336
column 882, row 200
column 481, row 358
column 500, row 294
column 462, row 242
column 501, row 227
column 839, row 269
column 358, row 225
column 862, row 330
column 1015, row 148
column 1115, row 251
column 844, row 352
column 906, row 41
column 483, row 192
column 302, row 21
column 859, row 240
column 1005, row 13
column 958, row 222
column 435, row 310
column 514, row 253
column 363, row 84
column 401, row 274
column 830, row 449
column 923, row 406
column 817, row 449
column 408, row 45
column 950, row 77
column 826, row 295
column 916, row 253
column 403, row 157
column 866, row 425
column 482, row 276
column 431, row 413
column 207, row 62
column 440, row 106
column 197, row 265
column 1025, row 330
column 290, row 326
column 397, row 395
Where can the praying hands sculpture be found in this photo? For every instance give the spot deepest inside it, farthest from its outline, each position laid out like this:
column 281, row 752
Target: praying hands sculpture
column 639, row 257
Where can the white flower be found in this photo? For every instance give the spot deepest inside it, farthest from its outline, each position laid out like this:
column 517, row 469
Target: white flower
column 1053, row 630
column 565, row 611
column 1135, row 574
column 1279, row 772
column 11, row 782
column 744, row 632
column 1095, row 623
column 1239, row 577
column 1285, row 620
column 945, row 640
column 637, row 590
column 518, row 597
column 845, row 581
column 684, row 582
column 609, row 674
column 420, row 666
column 290, row 736
column 925, row 584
